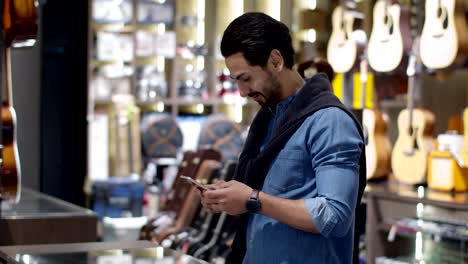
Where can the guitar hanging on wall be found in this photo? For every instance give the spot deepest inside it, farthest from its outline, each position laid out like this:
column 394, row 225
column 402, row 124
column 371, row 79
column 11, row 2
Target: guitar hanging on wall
column 444, row 38
column 374, row 122
column 342, row 49
column 415, row 126
column 390, row 36
column 19, row 30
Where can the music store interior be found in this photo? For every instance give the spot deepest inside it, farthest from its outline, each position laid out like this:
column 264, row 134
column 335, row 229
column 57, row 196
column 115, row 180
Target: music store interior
column 106, row 103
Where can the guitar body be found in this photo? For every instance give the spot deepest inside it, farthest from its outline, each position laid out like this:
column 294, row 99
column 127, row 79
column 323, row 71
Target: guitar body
column 19, row 27
column 342, row 48
column 444, row 30
column 11, row 175
column 19, row 21
column 411, row 151
column 387, row 46
column 378, row 148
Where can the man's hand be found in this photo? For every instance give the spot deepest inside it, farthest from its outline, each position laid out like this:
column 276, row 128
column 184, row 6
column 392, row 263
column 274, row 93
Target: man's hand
column 229, row 197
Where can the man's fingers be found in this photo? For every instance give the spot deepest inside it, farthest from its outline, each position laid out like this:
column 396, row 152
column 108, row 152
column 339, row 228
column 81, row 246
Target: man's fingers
column 225, row 184
column 218, row 184
column 215, row 194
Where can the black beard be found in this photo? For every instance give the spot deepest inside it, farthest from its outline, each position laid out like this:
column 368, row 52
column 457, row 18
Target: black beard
column 274, row 95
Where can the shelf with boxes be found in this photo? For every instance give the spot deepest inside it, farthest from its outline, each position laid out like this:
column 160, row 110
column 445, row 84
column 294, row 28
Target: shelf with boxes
column 131, row 48
column 144, row 66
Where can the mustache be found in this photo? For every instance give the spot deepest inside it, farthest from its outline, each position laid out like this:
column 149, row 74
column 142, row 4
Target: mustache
column 253, row 94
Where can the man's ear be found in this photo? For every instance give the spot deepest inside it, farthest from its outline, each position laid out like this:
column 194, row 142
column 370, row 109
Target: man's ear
column 276, row 59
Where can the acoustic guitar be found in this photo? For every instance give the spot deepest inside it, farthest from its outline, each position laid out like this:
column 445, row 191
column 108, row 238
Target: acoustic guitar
column 342, row 49
column 19, row 30
column 389, row 40
column 415, row 126
column 444, row 30
column 375, row 126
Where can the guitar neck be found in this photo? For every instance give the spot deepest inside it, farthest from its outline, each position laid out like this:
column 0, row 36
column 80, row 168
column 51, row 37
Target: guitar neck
column 8, row 101
column 410, row 102
column 412, row 70
column 363, row 78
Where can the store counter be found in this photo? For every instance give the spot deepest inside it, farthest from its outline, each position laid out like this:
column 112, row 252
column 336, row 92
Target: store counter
column 131, row 252
column 41, row 219
column 412, row 224
column 405, row 192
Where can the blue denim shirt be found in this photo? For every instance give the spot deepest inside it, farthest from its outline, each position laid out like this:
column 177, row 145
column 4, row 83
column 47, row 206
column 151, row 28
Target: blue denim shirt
column 320, row 163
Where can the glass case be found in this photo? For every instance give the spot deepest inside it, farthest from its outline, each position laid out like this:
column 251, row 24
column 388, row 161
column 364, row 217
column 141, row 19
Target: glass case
column 414, row 224
column 139, row 252
column 34, row 204
column 40, row 218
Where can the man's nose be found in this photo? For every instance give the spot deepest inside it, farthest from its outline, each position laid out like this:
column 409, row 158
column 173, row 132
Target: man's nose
column 243, row 89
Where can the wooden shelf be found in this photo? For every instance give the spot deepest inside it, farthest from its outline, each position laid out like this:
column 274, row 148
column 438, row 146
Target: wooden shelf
column 191, row 101
column 144, row 61
column 151, row 27
column 113, row 27
column 100, row 63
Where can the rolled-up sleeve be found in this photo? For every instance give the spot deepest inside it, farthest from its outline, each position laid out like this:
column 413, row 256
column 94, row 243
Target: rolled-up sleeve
column 335, row 152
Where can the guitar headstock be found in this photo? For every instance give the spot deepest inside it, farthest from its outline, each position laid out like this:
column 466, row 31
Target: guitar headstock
column 363, row 66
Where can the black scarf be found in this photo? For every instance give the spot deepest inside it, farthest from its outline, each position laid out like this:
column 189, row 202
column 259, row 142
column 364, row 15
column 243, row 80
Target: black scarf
column 254, row 164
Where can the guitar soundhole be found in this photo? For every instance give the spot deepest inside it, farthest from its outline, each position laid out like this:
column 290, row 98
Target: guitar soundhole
column 410, row 130
column 345, row 35
column 445, row 24
column 415, row 143
column 442, row 15
column 389, row 22
column 413, row 132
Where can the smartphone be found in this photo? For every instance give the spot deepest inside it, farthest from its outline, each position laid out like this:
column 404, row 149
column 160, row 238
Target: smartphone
column 194, row 182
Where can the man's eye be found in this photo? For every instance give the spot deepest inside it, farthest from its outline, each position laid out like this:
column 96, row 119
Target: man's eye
column 246, row 79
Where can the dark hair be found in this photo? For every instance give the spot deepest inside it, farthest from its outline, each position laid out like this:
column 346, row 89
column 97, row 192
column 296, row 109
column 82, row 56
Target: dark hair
column 255, row 35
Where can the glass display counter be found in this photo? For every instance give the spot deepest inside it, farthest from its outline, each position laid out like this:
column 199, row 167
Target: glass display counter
column 131, row 252
column 40, row 219
column 409, row 224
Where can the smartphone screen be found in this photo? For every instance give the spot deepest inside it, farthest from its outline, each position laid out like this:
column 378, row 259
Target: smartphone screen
column 194, row 182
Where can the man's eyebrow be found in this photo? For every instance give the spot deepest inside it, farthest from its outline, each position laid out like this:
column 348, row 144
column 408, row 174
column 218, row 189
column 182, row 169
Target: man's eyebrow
column 238, row 76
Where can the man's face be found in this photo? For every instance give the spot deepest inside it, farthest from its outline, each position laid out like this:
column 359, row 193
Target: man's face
column 260, row 84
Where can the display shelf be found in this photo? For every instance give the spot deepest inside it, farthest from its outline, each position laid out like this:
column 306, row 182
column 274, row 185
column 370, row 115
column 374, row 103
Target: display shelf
column 113, row 27
column 98, row 252
column 100, row 63
column 418, row 194
column 40, row 218
column 193, row 101
column 424, row 248
column 411, row 226
column 422, row 219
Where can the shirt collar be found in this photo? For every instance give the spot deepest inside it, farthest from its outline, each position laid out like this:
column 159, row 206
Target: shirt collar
column 283, row 105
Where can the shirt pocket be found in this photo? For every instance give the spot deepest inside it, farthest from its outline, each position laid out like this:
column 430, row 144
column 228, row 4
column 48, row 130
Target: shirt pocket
column 287, row 172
